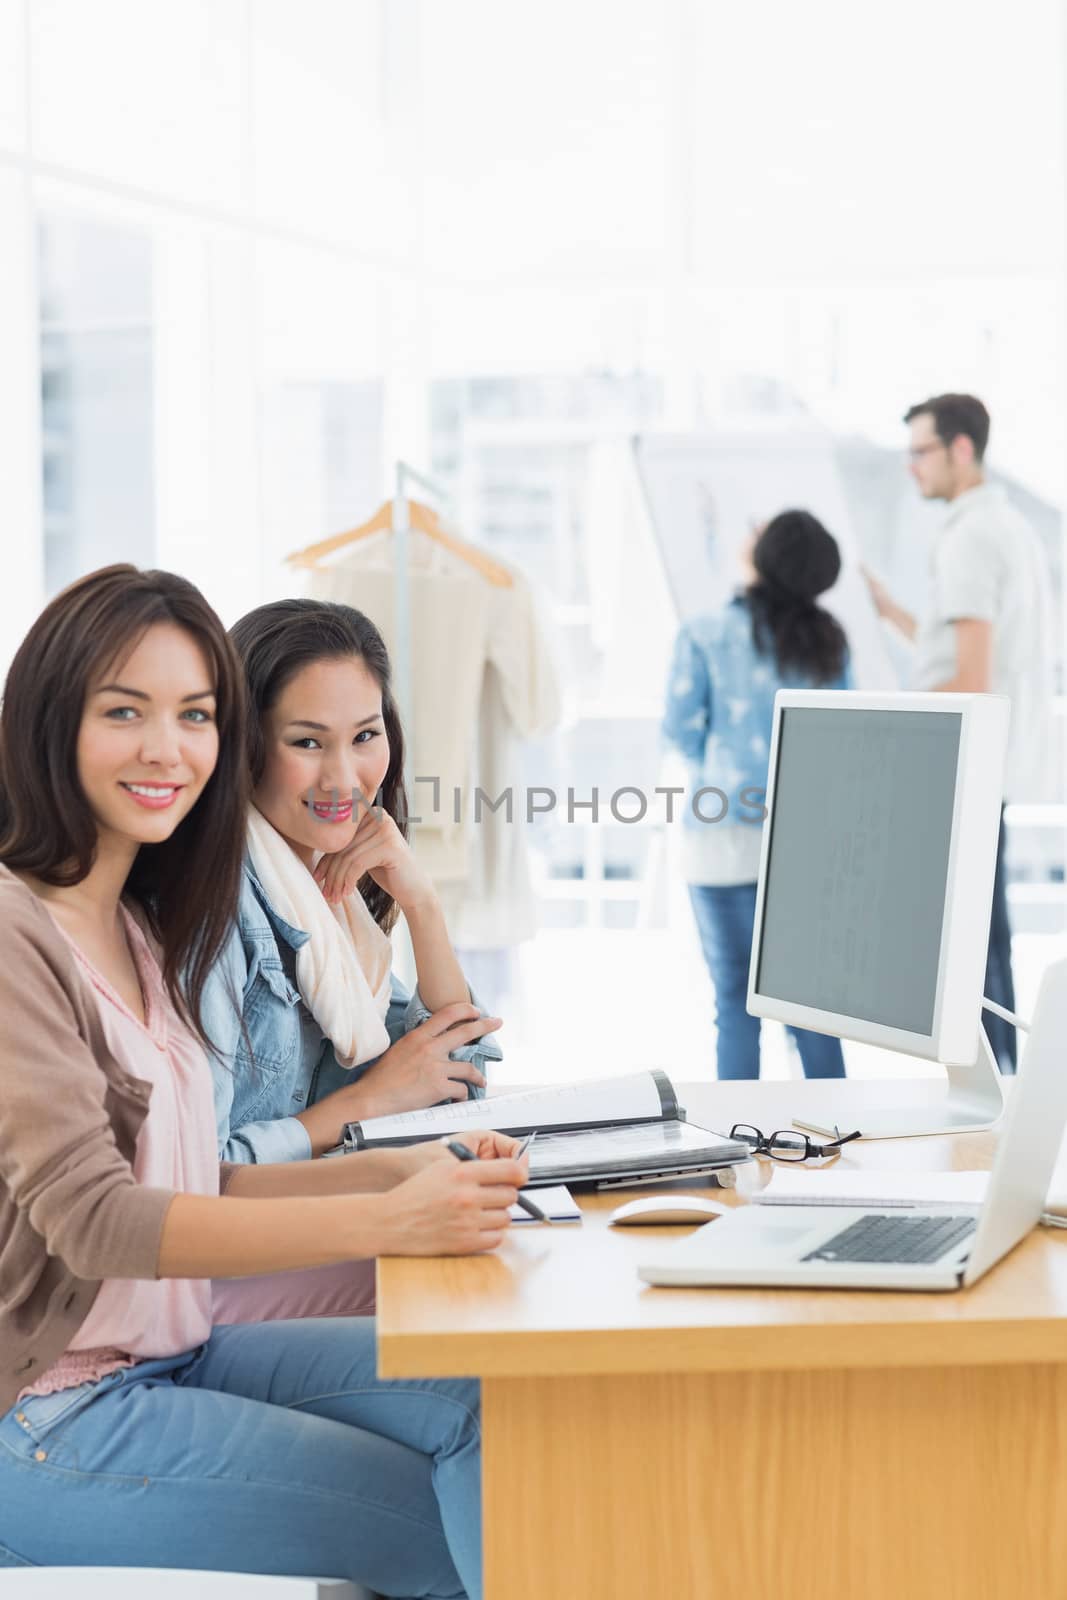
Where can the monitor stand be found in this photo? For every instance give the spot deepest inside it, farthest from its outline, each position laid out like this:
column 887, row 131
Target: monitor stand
column 972, row 1100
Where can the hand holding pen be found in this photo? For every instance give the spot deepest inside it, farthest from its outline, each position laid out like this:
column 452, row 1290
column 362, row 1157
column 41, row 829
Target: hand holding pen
column 462, row 1152
column 448, row 1206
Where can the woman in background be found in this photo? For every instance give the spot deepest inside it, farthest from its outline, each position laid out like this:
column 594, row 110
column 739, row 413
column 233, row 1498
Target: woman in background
column 719, row 714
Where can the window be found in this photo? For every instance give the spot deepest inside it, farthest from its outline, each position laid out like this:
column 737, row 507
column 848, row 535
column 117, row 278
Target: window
column 96, row 396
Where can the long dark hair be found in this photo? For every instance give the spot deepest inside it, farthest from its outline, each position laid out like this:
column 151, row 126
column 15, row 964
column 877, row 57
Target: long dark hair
column 274, row 643
column 796, row 560
column 187, row 885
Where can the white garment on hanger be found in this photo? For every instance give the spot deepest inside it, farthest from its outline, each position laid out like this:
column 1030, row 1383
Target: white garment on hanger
column 520, row 699
column 449, row 612
column 483, row 677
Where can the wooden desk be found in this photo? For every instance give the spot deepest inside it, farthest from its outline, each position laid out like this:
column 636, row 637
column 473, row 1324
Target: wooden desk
column 723, row 1443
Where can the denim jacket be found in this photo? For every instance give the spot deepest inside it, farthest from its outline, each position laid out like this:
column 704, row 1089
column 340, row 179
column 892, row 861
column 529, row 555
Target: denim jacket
column 720, row 708
column 258, row 1096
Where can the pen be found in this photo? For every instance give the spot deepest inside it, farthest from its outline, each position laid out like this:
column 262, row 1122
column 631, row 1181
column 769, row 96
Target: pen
column 462, row 1153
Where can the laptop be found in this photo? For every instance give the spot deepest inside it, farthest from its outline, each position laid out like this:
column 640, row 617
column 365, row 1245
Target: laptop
column 920, row 1247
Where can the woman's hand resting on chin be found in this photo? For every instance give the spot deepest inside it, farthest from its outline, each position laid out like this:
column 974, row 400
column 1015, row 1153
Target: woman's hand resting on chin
column 379, row 848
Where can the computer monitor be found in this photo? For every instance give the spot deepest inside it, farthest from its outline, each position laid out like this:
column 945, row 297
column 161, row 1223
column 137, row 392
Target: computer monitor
column 876, row 882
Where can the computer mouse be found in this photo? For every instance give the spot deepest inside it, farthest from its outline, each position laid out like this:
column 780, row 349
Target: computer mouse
column 667, row 1208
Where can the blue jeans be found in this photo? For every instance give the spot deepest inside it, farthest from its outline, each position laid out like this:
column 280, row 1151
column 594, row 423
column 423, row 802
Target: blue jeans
column 726, row 917
column 272, row 1448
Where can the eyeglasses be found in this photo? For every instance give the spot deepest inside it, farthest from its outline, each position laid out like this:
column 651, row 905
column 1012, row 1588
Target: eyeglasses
column 787, row 1144
column 918, row 451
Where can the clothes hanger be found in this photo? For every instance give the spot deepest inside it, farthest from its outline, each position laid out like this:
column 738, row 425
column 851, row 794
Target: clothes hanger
column 422, row 519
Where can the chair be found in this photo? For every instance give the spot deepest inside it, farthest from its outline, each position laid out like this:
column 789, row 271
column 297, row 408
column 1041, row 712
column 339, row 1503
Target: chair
column 159, row 1583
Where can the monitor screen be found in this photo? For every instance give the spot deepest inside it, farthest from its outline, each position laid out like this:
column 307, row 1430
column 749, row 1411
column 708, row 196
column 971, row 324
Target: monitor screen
column 857, row 862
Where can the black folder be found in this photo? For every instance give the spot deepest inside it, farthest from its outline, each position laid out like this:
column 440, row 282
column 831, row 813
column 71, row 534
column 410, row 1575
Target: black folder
column 604, row 1130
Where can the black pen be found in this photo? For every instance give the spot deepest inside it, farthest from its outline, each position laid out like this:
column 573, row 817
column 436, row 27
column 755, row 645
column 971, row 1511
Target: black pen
column 462, row 1152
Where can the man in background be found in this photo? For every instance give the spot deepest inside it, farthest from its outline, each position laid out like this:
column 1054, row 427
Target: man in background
column 987, row 630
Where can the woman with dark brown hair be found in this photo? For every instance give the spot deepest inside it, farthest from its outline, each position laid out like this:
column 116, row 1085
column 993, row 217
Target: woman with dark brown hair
column 132, row 1430
column 184, row 878
column 322, row 1033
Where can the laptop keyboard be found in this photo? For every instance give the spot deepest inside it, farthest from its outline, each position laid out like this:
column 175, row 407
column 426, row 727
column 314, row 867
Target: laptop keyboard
column 903, row 1240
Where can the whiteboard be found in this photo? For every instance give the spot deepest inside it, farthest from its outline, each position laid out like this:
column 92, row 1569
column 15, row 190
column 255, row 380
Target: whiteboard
column 706, row 491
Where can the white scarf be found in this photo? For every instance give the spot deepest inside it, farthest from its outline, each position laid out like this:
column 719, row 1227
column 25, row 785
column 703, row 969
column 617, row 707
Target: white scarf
column 342, row 970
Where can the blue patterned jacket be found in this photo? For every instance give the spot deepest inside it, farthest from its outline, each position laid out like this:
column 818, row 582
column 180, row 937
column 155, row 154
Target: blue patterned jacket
column 720, row 710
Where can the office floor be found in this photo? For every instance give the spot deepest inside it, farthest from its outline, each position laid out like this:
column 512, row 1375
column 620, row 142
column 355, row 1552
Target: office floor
column 596, row 1003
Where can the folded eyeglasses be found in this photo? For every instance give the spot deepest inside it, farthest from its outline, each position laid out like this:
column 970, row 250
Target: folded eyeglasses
column 788, row 1145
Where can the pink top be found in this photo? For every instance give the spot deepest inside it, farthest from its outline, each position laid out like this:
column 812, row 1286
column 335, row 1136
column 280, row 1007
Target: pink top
column 133, row 1319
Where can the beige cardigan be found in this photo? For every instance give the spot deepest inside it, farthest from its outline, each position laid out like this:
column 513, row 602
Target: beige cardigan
column 71, row 1212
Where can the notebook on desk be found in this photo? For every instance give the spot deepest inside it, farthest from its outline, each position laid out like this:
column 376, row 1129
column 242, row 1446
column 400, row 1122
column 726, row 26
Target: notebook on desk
column 612, row 1130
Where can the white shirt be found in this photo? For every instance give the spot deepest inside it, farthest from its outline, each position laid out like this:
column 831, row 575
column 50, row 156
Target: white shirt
column 722, row 853
column 988, row 564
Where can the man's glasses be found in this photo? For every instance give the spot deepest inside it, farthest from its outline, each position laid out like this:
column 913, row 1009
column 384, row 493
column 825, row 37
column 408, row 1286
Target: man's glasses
column 788, row 1145
column 917, row 451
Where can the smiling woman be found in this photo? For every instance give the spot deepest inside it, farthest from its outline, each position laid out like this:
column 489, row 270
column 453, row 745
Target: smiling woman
column 92, row 692
column 321, row 1033
column 320, row 775
column 122, row 820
